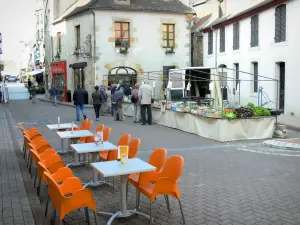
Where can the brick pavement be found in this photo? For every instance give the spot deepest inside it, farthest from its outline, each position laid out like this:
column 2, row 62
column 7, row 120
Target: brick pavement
column 14, row 204
column 219, row 185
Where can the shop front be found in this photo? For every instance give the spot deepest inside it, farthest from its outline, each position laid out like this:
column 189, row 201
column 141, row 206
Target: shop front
column 59, row 78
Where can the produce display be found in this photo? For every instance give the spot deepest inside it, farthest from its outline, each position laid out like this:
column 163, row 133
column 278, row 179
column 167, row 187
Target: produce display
column 229, row 112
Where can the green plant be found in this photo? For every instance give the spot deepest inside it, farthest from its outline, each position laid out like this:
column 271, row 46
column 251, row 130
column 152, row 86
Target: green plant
column 169, row 51
column 259, row 110
column 124, row 50
column 68, row 91
column 230, row 115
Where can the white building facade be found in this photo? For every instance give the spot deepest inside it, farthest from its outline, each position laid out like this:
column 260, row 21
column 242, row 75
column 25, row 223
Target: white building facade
column 262, row 41
column 103, row 43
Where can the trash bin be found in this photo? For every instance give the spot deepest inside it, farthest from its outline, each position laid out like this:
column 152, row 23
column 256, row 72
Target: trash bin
column 69, row 97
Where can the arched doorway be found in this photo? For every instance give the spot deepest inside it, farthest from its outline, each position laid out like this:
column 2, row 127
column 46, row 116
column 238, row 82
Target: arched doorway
column 122, row 73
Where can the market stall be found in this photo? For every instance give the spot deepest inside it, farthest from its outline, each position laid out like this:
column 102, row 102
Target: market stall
column 211, row 125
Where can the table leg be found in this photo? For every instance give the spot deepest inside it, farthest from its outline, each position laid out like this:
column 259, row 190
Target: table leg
column 76, row 163
column 62, row 151
column 95, row 182
column 124, row 212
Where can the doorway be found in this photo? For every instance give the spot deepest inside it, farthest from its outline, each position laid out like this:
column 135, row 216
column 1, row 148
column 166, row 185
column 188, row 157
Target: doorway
column 281, row 90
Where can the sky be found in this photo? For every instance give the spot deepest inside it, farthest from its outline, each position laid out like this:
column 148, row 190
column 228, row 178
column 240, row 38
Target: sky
column 17, row 23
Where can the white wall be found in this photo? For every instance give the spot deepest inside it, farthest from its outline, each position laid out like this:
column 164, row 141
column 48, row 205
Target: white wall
column 145, row 53
column 266, row 54
column 67, row 29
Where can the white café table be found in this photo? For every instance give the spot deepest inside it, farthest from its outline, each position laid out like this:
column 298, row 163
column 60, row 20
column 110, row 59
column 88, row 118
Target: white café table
column 93, row 149
column 116, row 168
column 72, row 135
column 61, row 127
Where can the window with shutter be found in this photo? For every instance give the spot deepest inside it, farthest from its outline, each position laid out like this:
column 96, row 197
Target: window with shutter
column 210, row 43
column 236, row 36
column 280, row 23
column 254, row 31
column 222, row 39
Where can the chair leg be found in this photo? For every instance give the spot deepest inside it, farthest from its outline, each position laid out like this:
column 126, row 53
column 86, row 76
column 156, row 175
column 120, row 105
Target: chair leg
column 87, row 215
column 114, row 184
column 95, row 215
column 137, row 200
column 54, row 213
column 167, row 202
column 151, row 212
column 181, row 211
column 47, row 203
column 35, row 179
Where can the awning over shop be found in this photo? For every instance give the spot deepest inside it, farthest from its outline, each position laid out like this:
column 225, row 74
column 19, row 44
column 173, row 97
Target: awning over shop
column 78, row 65
column 33, row 73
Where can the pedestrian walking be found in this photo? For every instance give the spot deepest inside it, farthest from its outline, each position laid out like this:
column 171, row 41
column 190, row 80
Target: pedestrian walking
column 145, row 96
column 78, row 98
column 54, row 93
column 103, row 99
column 0, row 94
column 113, row 90
column 108, row 102
column 29, row 87
column 33, row 92
column 136, row 104
column 96, row 101
column 117, row 101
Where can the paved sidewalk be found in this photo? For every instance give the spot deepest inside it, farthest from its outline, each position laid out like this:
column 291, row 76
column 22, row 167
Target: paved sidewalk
column 15, row 208
column 219, row 185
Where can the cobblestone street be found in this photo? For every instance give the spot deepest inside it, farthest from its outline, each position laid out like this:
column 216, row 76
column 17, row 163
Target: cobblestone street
column 219, row 185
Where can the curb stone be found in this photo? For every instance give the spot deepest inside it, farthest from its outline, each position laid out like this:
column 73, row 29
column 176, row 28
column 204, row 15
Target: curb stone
column 65, row 103
column 282, row 145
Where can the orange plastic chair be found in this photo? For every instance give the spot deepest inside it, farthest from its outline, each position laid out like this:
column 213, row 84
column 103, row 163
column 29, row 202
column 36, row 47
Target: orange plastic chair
column 166, row 183
column 88, row 127
column 134, row 147
column 113, row 154
column 83, row 125
column 106, row 133
column 58, row 172
column 77, row 198
column 27, row 139
column 39, row 146
column 157, row 159
column 100, row 128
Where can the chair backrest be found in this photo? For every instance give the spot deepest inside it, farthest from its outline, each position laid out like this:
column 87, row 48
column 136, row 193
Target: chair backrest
column 90, row 139
column 158, row 158
column 106, row 133
column 21, row 127
column 173, row 168
column 89, row 125
column 84, row 124
column 100, row 128
column 54, row 191
column 124, row 140
column 134, row 147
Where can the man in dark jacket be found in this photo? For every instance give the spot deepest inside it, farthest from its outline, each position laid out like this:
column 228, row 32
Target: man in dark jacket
column 78, row 98
column 96, row 101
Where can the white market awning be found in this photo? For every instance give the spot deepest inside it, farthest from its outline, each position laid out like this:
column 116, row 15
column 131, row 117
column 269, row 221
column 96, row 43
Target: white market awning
column 33, row 73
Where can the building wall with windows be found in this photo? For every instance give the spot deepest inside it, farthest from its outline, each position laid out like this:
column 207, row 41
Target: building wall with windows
column 140, row 33
column 268, row 48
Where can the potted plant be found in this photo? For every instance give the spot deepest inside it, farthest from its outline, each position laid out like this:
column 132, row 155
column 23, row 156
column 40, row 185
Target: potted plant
column 124, row 50
column 169, row 51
